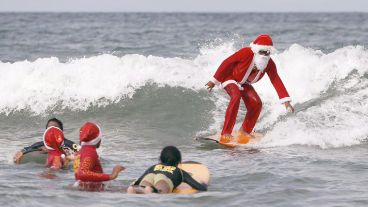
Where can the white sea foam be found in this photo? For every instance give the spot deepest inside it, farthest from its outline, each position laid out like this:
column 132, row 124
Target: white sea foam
column 332, row 99
column 40, row 85
column 307, row 73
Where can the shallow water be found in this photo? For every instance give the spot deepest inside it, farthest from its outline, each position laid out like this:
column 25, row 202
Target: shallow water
column 141, row 78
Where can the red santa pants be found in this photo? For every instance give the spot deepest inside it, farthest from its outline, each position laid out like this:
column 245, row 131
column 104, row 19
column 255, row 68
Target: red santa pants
column 252, row 102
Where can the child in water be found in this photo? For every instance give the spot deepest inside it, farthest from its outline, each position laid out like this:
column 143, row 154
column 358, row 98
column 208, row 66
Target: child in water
column 89, row 173
column 53, row 139
column 69, row 146
column 165, row 176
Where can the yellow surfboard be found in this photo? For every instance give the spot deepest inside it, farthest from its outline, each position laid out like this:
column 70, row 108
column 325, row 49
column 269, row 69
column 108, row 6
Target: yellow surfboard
column 198, row 171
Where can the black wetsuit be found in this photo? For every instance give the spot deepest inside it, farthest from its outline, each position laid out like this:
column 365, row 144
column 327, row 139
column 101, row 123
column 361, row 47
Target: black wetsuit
column 68, row 144
column 175, row 174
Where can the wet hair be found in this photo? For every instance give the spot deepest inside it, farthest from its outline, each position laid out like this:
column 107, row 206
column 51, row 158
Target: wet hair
column 57, row 121
column 170, row 155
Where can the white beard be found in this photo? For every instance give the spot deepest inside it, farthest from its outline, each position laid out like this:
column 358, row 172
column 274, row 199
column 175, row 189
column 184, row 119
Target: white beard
column 261, row 61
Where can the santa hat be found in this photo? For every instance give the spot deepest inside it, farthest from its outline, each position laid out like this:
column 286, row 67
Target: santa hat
column 90, row 134
column 53, row 138
column 262, row 42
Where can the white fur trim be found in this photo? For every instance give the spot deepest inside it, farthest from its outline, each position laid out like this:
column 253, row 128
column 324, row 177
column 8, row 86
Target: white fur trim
column 95, row 140
column 249, row 70
column 92, row 142
column 76, row 184
column 256, row 48
column 44, row 143
column 226, row 83
column 215, row 81
column 284, row 100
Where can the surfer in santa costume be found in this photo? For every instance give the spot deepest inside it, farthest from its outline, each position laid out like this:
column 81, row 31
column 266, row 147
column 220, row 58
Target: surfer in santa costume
column 89, row 173
column 236, row 74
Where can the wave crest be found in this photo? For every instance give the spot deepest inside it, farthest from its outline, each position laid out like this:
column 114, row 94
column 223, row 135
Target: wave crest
column 329, row 90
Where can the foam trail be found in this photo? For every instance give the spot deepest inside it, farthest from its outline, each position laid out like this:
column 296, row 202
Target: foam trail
column 335, row 122
column 331, row 92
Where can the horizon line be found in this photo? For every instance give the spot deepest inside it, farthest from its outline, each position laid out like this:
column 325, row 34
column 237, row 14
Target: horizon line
column 198, row 12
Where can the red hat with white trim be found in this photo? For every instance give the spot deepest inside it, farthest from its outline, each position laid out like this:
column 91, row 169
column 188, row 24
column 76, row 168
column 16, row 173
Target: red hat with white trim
column 53, row 138
column 262, row 42
column 90, row 134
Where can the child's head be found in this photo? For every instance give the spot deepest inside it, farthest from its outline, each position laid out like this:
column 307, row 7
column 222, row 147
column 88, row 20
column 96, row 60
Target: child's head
column 170, row 155
column 55, row 122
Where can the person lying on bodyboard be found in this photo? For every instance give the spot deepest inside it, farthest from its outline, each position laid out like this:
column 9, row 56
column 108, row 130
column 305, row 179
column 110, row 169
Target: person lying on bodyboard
column 165, row 176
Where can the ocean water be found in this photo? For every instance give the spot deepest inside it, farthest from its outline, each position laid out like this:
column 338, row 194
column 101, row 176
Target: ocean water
column 141, row 77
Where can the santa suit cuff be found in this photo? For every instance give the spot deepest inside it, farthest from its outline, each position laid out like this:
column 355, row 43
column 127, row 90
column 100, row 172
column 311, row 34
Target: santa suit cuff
column 216, row 82
column 284, row 100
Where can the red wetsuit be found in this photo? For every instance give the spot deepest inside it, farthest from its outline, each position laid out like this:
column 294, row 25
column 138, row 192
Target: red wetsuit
column 54, row 159
column 90, row 173
column 236, row 74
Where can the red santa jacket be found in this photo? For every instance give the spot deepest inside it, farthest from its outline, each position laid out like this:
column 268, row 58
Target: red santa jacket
column 54, row 159
column 90, row 167
column 238, row 69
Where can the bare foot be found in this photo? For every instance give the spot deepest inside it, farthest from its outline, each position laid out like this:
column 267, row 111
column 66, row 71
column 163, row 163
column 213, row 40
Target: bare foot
column 226, row 138
column 243, row 136
column 131, row 190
